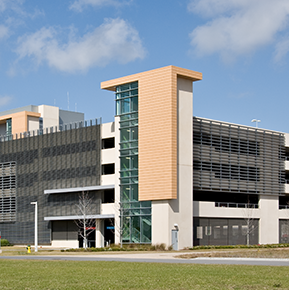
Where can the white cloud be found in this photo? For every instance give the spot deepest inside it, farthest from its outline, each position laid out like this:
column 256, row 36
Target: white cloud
column 4, row 100
column 2, row 5
column 114, row 40
column 282, row 48
column 11, row 5
column 3, row 31
column 237, row 27
column 78, row 5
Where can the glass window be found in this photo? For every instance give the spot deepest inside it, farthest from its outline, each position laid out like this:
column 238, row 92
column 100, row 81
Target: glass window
column 134, row 135
column 124, row 163
column 146, row 229
column 125, row 193
column 126, row 229
column 124, row 135
column 118, row 112
column 134, row 85
column 134, row 192
column 145, row 204
column 125, row 106
column 124, row 87
column 125, row 180
column 125, row 94
column 135, row 229
column 9, row 127
column 134, row 104
column 124, row 145
column 124, row 124
column 208, row 231
column 134, row 92
column 134, row 162
column 124, row 152
column 199, row 232
column 125, row 173
column 217, row 232
column 225, row 230
column 134, row 172
column 235, row 230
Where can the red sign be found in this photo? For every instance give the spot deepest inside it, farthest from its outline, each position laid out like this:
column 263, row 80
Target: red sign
column 90, row 228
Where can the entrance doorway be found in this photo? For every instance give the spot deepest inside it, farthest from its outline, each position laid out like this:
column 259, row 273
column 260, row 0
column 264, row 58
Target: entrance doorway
column 109, row 231
column 90, row 232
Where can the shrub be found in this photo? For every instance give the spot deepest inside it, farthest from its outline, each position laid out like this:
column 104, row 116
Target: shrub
column 240, row 247
column 5, row 243
column 125, row 247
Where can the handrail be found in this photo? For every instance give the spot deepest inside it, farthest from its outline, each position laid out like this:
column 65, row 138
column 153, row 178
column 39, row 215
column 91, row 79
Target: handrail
column 283, row 206
column 236, row 205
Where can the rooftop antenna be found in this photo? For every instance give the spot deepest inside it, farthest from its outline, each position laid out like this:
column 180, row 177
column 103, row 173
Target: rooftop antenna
column 256, row 121
column 68, row 101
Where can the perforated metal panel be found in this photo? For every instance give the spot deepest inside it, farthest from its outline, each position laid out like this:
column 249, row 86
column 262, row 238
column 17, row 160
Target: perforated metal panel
column 55, row 158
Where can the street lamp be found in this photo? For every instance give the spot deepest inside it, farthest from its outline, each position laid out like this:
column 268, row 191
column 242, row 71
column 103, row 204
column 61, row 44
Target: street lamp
column 256, row 121
column 35, row 233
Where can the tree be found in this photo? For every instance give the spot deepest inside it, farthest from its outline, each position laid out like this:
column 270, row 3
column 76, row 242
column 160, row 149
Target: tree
column 118, row 223
column 250, row 220
column 85, row 224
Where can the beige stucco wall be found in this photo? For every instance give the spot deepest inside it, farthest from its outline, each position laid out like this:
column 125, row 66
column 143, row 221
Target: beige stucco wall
column 65, row 244
column 50, row 115
column 208, row 209
column 269, row 220
column 33, row 123
column 286, row 139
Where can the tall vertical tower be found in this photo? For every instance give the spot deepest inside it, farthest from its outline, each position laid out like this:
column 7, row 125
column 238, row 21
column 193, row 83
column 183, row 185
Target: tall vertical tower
column 155, row 110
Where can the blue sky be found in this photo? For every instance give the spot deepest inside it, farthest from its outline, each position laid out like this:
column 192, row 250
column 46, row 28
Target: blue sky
column 51, row 48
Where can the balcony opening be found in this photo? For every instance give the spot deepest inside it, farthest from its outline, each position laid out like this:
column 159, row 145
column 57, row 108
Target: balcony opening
column 107, row 169
column 228, row 199
column 284, row 202
column 108, row 196
column 107, row 143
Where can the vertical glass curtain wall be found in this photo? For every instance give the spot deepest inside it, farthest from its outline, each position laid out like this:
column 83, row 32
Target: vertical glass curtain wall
column 135, row 215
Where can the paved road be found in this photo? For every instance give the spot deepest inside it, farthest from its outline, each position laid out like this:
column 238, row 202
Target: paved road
column 155, row 259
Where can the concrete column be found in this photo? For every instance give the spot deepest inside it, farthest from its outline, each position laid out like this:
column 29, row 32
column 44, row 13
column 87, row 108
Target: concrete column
column 116, row 182
column 99, row 230
column 269, row 220
column 167, row 213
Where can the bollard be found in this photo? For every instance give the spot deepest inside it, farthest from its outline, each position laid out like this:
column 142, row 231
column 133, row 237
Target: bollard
column 28, row 249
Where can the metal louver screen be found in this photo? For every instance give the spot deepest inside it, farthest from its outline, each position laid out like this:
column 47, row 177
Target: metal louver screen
column 233, row 158
column 8, row 184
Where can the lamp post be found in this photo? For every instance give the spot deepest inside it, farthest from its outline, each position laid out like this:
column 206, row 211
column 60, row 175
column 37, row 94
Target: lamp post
column 36, row 222
column 256, row 121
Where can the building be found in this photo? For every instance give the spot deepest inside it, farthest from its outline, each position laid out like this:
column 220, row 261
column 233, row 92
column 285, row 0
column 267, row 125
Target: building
column 154, row 175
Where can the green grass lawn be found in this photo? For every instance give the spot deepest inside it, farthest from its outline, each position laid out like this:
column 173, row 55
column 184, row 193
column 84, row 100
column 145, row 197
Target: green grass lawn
column 118, row 275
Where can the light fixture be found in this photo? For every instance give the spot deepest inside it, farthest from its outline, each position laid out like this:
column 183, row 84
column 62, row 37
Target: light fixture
column 256, row 121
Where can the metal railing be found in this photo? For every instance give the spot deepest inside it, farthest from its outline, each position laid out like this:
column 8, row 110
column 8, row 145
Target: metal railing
column 236, row 205
column 283, row 206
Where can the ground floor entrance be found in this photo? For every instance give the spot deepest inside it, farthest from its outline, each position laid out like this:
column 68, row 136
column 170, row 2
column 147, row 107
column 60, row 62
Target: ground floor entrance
column 66, row 233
